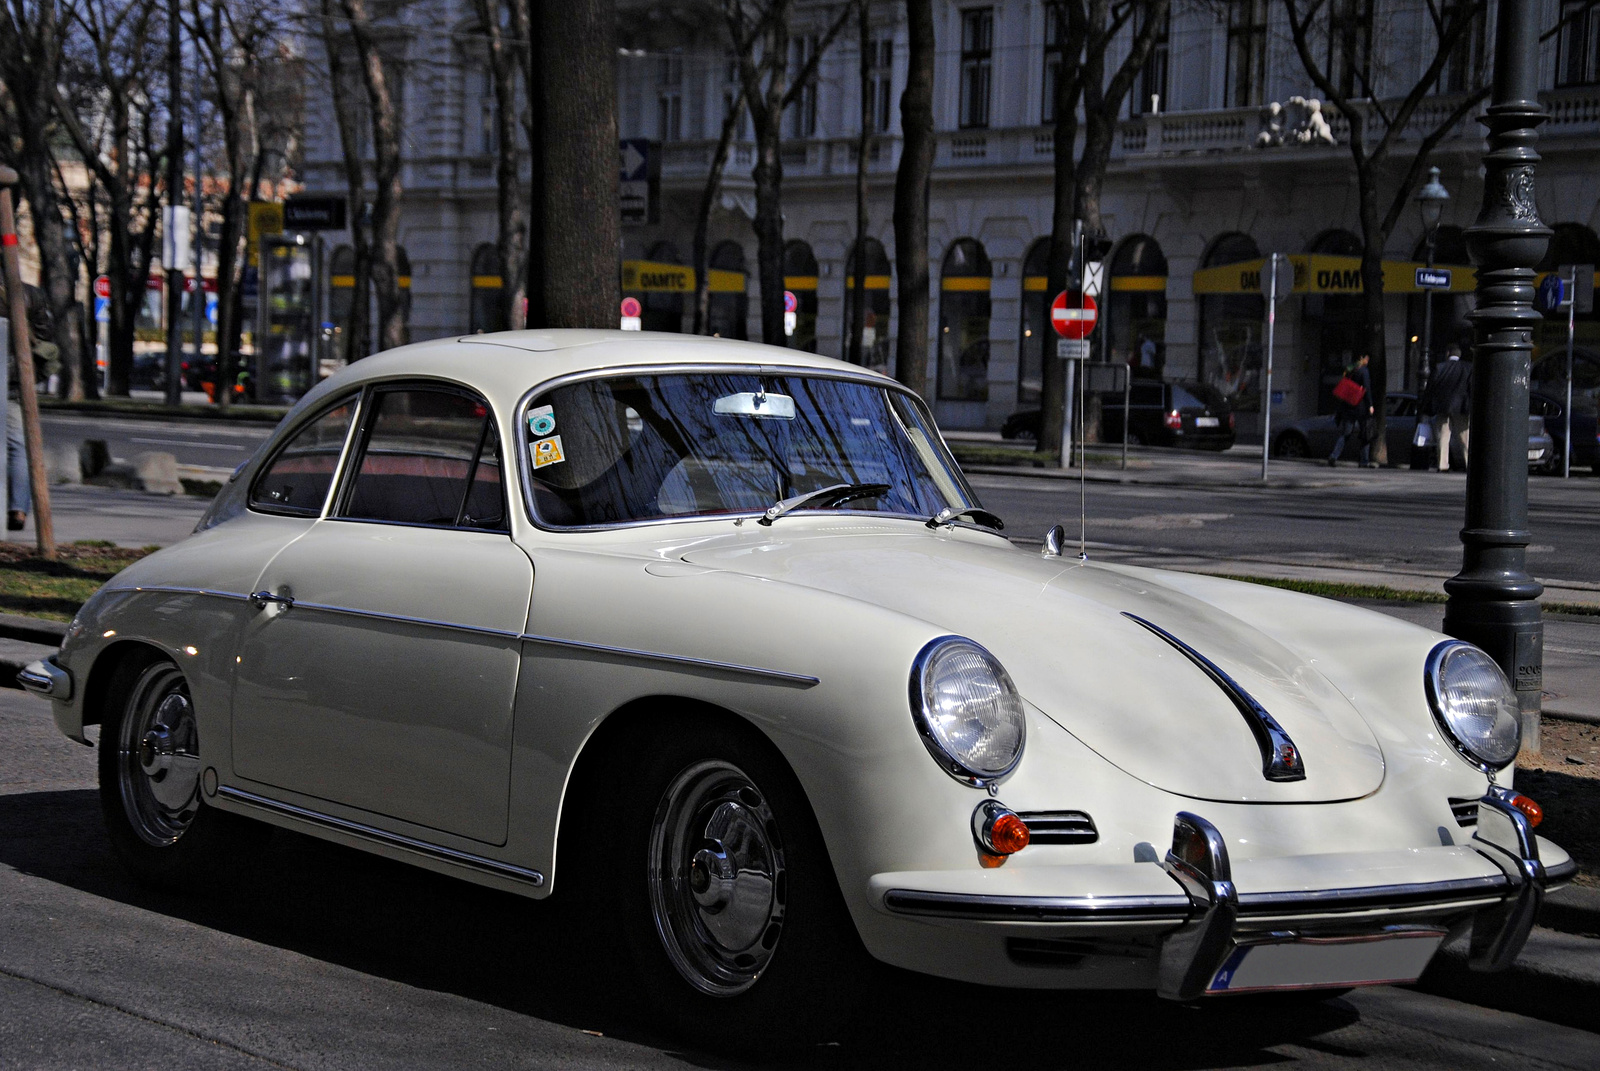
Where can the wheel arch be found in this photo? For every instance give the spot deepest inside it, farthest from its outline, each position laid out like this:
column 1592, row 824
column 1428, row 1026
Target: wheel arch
column 104, row 669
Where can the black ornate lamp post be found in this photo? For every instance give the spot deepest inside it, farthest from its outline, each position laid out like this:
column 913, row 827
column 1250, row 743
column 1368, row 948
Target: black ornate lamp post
column 1492, row 601
column 1430, row 204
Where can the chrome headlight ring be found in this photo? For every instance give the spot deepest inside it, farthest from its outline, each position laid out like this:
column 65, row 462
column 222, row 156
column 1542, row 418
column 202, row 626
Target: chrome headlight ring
column 967, row 711
column 1474, row 705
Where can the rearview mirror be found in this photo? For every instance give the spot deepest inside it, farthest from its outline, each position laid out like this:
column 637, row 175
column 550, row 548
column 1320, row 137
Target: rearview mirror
column 769, row 406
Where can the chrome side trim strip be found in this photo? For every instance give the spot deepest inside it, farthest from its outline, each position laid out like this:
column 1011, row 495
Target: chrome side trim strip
column 1174, row 908
column 800, row 679
column 379, row 836
column 1371, row 896
column 1280, row 759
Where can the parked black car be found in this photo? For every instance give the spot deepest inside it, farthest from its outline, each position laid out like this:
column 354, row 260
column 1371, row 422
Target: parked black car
column 1313, row 437
column 1190, row 415
column 1585, row 432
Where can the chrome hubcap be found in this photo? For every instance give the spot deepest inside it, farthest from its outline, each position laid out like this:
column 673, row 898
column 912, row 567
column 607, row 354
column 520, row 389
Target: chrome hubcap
column 716, row 878
column 158, row 757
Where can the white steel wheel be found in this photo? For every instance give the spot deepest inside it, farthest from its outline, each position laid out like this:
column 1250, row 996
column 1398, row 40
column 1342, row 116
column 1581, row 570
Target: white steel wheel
column 158, row 757
column 717, row 878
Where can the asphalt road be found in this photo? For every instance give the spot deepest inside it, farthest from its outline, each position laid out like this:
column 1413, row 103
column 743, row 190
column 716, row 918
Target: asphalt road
column 324, row 957
column 212, row 443
column 1404, row 520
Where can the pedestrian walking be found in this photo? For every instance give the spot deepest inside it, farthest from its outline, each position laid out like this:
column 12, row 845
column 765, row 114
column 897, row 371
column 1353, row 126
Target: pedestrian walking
column 1447, row 402
column 46, row 363
column 1352, row 399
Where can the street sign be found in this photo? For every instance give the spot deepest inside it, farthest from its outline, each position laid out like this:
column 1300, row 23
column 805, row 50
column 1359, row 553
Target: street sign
column 1552, row 294
column 176, row 248
column 790, row 302
column 1279, row 271
column 634, row 194
column 102, row 286
column 102, row 309
column 1582, row 277
column 1433, row 278
column 1072, row 349
column 302, row 213
column 1094, row 277
column 631, row 313
column 1073, row 315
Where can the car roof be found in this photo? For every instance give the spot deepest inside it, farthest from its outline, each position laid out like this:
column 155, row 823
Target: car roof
column 505, row 364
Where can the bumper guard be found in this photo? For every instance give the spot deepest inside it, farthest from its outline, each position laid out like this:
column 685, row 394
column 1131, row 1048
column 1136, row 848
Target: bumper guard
column 45, row 678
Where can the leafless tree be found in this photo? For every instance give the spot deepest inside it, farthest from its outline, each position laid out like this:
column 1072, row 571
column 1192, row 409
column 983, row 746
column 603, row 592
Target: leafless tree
column 350, row 119
column 1376, row 128
column 504, row 46
column 32, row 45
column 858, row 281
column 732, row 119
column 912, row 186
column 760, row 33
column 1084, row 94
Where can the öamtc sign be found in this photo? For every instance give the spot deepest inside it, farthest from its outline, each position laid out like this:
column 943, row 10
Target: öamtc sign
column 1318, row 273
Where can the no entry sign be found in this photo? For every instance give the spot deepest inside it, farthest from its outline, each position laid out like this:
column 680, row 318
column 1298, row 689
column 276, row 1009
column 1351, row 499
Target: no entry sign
column 102, row 286
column 1073, row 315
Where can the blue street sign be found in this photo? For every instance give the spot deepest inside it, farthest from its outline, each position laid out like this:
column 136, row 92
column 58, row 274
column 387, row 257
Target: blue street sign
column 635, row 159
column 1552, row 293
column 1433, row 278
column 102, row 310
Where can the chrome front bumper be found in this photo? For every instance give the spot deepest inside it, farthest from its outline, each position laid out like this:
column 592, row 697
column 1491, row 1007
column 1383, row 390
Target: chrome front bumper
column 45, row 678
column 1205, row 919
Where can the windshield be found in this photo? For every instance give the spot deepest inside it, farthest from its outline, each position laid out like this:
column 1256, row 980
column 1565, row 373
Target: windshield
column 637, row 448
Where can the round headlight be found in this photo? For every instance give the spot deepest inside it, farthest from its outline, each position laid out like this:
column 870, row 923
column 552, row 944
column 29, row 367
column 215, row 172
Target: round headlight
column 967, row 710
column 1475, row 704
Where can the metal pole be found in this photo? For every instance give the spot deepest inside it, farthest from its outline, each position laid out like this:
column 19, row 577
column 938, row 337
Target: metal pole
column 1427, row 318
column 1572, row 324
column 199, row 317
column 22, row 352
column 1066, row 422
column 174, row 393
column 1127, row 388
column 1492, row 600
column 1266, row 392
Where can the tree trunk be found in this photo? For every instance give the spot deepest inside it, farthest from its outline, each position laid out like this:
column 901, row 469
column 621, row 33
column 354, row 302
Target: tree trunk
column 1064, row 209
column 911, row 190
column 527, row 24
column 582, row 231
column 513, row 234
column 858, row 281
column 768, row 176
column 357, row 344
column 1372, row 310
column 385, row 249
column 702, row 219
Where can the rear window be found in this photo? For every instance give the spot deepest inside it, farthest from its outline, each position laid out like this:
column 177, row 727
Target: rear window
column 1196, row 396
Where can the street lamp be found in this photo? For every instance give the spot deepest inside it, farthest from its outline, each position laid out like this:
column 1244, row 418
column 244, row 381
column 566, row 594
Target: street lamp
column 1430, row 203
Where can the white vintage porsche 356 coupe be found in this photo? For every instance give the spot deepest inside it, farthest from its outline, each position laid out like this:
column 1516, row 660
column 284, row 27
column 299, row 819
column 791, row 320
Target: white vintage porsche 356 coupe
column 715, row 639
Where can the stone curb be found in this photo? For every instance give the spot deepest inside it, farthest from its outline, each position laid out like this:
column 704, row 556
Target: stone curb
column 1555, row 979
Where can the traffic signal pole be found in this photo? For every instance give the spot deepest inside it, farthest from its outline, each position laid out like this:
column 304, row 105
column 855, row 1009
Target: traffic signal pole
column 1492, row 600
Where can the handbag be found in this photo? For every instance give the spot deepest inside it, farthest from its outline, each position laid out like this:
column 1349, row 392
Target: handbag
column 1424, row 435
column 1349, row 391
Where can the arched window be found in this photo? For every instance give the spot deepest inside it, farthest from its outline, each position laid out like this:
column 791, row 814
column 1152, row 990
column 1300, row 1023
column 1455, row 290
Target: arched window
column 1572, row 244
column 1333, row 325
column 663, row 309
column 875, row 347
column 1230, row 328
column 729, row 310
column 800, row 279
column 341, row 298
column 1450, row 307
column 1035, row 330
column 1136, row 310
column 964, row 323
column 487, row 306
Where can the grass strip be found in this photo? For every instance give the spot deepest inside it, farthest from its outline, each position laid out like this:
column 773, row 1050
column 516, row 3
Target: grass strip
column 1338, row 589
column 55, row 589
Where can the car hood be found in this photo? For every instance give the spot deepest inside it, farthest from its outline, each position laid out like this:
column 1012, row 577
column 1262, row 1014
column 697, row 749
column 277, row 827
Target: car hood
column 1061, row 630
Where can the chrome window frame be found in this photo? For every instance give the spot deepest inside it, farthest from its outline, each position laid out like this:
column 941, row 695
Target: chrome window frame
column 358, row 399
column 861, row 376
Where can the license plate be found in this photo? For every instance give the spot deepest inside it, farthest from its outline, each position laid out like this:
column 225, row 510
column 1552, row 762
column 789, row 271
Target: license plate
column 1205, row 422
column 1535, row 455
column 1307, row 963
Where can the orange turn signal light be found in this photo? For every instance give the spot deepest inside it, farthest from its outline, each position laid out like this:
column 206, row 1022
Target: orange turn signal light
column 1530, row 810
column 1009, row 834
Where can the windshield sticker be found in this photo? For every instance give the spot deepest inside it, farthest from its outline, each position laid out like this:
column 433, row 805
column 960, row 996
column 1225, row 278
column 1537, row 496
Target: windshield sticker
column 548, row 452
column 541, row 421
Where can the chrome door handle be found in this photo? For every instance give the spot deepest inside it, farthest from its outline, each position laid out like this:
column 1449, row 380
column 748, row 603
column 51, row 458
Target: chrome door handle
column 260, row 599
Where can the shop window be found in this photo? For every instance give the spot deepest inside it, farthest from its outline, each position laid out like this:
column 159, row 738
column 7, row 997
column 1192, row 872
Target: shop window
column 663, row 308
column 1231, row 326
column 964, row 310
column 800, row 279
column 729, row 309
column 487, row 306
column 341, row 298
column 1572, row 244
column 1036, row 333
column 1333, row 324
column 1136, row 308
column 875, row 343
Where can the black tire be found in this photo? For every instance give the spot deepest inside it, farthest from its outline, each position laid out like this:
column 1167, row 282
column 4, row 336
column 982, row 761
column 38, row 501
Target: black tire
column 150, row 773
column 739, row 942
column 1291, row 445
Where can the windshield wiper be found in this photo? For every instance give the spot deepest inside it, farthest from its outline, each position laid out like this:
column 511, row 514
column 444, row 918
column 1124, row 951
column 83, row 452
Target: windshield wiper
column 949, row 515
column 822, row 498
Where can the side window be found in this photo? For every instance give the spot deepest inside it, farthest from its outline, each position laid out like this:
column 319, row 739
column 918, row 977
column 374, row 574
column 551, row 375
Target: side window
column 296, row 481
column 1147, row 395
column 422, row 452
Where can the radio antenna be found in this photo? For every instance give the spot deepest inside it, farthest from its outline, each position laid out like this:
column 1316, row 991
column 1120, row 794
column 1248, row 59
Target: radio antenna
column 1083, row 454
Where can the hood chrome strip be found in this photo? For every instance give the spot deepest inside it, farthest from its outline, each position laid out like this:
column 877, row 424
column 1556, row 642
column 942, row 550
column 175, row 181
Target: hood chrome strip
column 1280, row 758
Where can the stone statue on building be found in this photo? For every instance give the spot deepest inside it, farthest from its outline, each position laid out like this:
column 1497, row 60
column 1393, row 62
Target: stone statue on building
column 1299, row 122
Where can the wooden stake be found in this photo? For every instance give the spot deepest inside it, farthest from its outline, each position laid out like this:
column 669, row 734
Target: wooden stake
column 22, row 348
